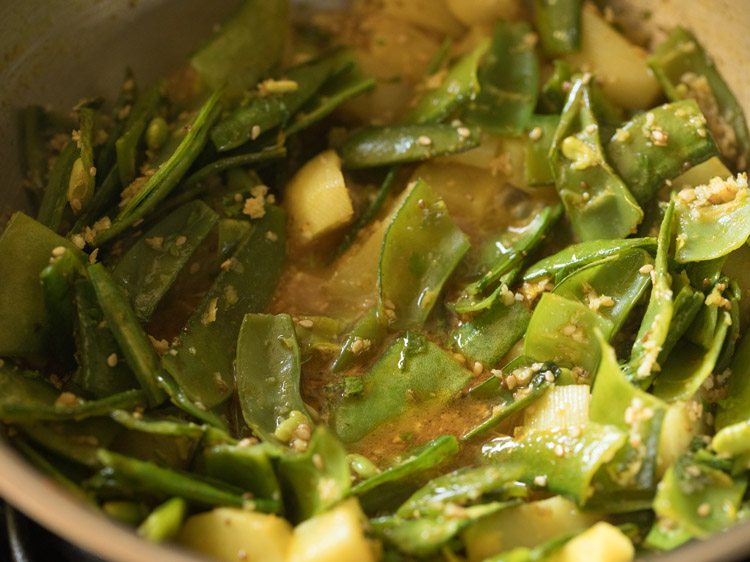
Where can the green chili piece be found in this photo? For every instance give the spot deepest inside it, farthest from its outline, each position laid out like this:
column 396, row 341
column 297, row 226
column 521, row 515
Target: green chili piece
column 657, row 146
column 569, row 474
column 133, row 341
column 55, row 192
column 508, row 80
column 398, row 144
column 685, row 70
column 310, row 488
column 245, row 48
column 164, row 522
column 267, row 374
column 151, row 265
column 458, row 88
column 127, row 145
column 596, row 200
column 202, row 363
column 559, row 25
column 421, row 248
column 158, row 186
column 560, row 265
column 425, row 373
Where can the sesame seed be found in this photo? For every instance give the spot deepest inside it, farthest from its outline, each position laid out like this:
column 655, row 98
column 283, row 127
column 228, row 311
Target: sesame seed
column 58, row 251
column 477, row 368
column 306, row 323
column 540, row 481
column 463, row 132
column 180, row 241
column 704, row 510
column 559, row 451
column 255, row 132
column 424, row 140
column 646, row 269
column 112, row 360
column 92, row 171
column 93, row 256
column 535, row 133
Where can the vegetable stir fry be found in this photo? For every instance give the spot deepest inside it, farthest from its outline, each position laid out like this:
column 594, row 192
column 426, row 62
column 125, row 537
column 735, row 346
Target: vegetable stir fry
column 425, row 280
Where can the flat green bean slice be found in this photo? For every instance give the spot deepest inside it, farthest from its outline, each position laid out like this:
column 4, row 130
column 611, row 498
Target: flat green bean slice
column 508, row 80
column 459, row 86
column 399, row 144
column 245, row 48
column 105, row 197
column 734, row 408
column 127, row 145
column 169, row 174
column 127, row 331
column 249, row 468
column 363, row 339
column 267, row 374
column 209, row 340
column 103, row 370
column 685, row 70
column 559, row 25
column 151, row 265
column 82, row 182
column 421, row 248
column 165, row 521
column 412, row 371
column 658, row 316
column 712, row 220
column 659, row 145
column 311, row 486
column 555, row 89
column 568, row 459
column 560, row 265
column 53, row 202
column 597, row 202
column 77, row 441
column 687, row 304
column 537, row 166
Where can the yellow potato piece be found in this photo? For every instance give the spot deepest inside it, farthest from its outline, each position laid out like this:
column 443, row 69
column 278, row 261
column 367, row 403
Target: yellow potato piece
column 317, row 198
column 233, row 535
column 619, row 65
column 334, row 536
column 478, row 12
column 601, row 543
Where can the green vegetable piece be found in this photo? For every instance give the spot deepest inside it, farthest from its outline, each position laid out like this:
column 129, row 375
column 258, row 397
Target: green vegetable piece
column 555, row 89
column 509, row 82
column 560, row 265
column 658, row 316
column 421, row 248
column 102, row 371
column 733, row 409
column 149, row 268
column 666, row 535
column 459, row 86
column 490, row 335
column 208, row 342
column 538, row 170
column 512, row 403
column 267, row 373
column 133, row 341
column 179, row 398
column 412, row 371
column 689, row 366
column 311, row 487
column 563, row 331
column 596, row 200
column 462, row 487
column 659, row 145
column 368, row 328
column 249, row 468
column 712, row 220
column 424, row 537
column 77, row 441
column 105, row 197
column 81, row 182
column 157, row 133
column 138, row 120
column 701, row 499
column 361, row 466
column 231, row 234
column 396, row 482
column 52, row 472
column 193, row 186
column 55, row 192
column 618, row 402
column 245, row 48
column 128, row 512
column 26, row 397
column 544, row 551
column 164, row 522
column 559, row 26
column 25, row 249
column 687, row 304
column 122, row 115
column 169, row 174
column 147, row 477
column 569, row 473
column 265, row 111
column 398, row 144
column 685, row 70
column 610, row 287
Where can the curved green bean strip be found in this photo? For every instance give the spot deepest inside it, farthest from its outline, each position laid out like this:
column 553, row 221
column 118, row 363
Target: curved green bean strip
column 559, row 25
column 398, row 144
column 222, row 164
column 657, row 146
column 127, row 145
column 596, row 200
column 55, row 192
column 423, row 236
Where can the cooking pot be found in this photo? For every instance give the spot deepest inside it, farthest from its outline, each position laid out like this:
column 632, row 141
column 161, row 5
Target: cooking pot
column 56, row 51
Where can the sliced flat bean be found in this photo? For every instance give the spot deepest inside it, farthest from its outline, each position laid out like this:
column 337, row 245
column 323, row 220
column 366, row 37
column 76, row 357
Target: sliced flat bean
column 151, row 265
column 126, row 146
column 248, row 468
column 370, row 329
column 105, row 197
column 424, row 237
column 509, row 82
column 164, row 522
column 538, row 170
column 659, row 145
column 133, row 341
column 559, row 25
column 55, row 192
column 385, row 146
column 82, row 182
column 208, row 342
column 596, row 200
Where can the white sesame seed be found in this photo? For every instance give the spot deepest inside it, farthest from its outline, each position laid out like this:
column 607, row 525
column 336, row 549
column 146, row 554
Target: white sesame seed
column 535, row 133
column 112, row 360
column 58, row 251
column 424, row 140
column 180, row 241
